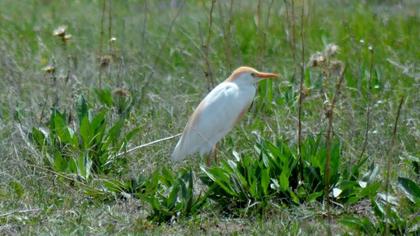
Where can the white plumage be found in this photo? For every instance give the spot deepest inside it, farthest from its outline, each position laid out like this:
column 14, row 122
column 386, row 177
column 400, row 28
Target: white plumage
column 218, row 112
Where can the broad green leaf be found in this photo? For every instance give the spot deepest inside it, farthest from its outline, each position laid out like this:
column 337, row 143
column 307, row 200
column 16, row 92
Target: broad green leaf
column 220, row 178
column 232, row 164
column 104, row 96
column 371, row 174
column 356, row 168
column 168, row 177
column 294, row 197
column 173, row 195
column 236, row 155
column 60, row 162
column 113, row 185
column 359, row 224
column 97, row 127
column 410, row 189
column 61, row 129
column 85, row 132
column 38, row 137
column 378, row 208
column 284, row 181
column 88, row 166
column 82, row 108
column 265, row 180
column 98, row 121
column 314, row 196
column 370, row 190
column 115, row 131
column 81, row 166
column 253, row 189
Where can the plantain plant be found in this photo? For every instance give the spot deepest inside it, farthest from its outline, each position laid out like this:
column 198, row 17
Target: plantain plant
column 85, row 148
column 246, row 181
column 171, row 196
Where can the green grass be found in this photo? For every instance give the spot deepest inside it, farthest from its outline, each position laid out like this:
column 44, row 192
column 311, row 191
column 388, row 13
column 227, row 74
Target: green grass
column 157, row 59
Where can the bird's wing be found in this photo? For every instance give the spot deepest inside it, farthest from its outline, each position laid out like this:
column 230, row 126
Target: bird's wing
column 213, row 119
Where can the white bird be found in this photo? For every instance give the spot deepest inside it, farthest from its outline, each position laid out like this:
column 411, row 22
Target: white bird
column 218, row 112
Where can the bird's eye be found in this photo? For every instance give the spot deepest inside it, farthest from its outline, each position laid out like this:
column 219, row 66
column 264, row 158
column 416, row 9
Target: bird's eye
column 253, row 74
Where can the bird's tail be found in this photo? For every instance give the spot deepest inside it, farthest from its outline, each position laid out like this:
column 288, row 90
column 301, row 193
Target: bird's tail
column 178, row 154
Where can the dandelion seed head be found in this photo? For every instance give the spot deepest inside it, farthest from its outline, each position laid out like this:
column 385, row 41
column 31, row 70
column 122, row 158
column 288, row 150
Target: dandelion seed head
column 331, row 49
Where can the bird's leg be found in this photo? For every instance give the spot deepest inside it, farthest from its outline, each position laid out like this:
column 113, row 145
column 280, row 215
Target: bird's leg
column 208, row 159
column 212, row 155
column 214, row 152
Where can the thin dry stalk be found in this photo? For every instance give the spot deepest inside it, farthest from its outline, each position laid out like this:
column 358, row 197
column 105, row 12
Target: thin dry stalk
column 226, row 28
column 101, row 39
column 365, row 142
column 110, row 23
column 388, row 162
column 262, row 27
column 293, row 24
column 291, row 27
column 301, row 94
column 228, row 39
column 102, row 32
column 24, row 211
column 328, row 140
column 287, row 22
column 267, row 19
column 260, row 31
column 110, row 42
column 206, row 48
column 147, row 144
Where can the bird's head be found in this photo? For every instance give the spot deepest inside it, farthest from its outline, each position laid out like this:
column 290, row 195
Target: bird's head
column 250, row 75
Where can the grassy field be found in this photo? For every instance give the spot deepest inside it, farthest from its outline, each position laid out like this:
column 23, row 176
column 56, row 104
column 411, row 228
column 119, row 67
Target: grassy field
column 143, row 66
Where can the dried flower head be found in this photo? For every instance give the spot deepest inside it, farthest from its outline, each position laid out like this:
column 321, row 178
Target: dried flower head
column 50, row 69
column 330, row 50
column 60, row 31
column 112, row 39
column 62, row 34
column 120, row 92
column 67, row 37
column 370, row 48
column 317, row 59
column 105, row 61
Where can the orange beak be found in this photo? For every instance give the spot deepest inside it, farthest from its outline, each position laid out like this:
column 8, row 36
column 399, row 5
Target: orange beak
column 264, row 75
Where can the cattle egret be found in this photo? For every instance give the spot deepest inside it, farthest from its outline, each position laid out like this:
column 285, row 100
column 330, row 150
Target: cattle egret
column 218, row 112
